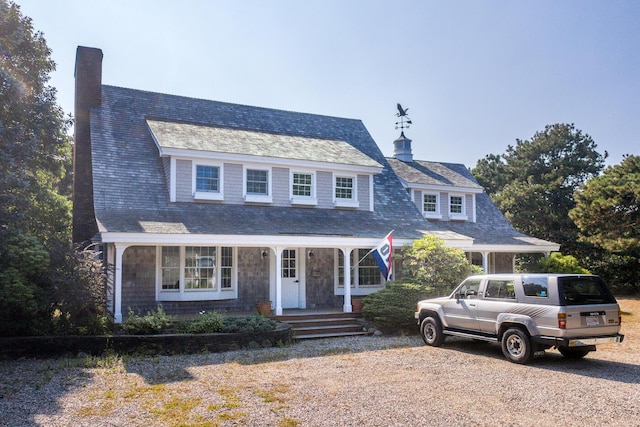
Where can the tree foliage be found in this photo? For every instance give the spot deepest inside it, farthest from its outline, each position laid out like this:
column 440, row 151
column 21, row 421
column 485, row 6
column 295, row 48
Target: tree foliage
column 534, row 181
column 35, row 152
column 45, row 286
column 558, row 263
column 607, row 210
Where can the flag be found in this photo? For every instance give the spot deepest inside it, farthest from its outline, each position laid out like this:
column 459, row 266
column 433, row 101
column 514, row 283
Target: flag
column 382, row 254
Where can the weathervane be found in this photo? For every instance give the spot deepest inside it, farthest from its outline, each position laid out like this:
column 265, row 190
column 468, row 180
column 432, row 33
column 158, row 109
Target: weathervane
column 405, row 121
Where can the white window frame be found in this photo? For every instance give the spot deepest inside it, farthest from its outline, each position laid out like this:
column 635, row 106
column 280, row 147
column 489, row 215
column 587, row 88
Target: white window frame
column 207, row 195
column 427, row 214
column 257, row 198
column 303, row 200
column 183, row 294
column 343, row 202
column 356, row 287
column 462, row 215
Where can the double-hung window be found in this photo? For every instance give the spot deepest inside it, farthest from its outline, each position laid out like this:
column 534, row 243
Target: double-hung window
column 303, row 190
column 207, row 181
column 366, row 275
column 457, row 208
column 190, row 273
column 431, row 205
column 257, row 186
column 345, row 194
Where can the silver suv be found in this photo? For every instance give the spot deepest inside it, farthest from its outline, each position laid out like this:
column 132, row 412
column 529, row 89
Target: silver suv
column 526, row 313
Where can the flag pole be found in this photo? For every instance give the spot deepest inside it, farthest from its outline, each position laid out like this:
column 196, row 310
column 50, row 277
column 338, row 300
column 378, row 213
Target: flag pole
column 367, row 254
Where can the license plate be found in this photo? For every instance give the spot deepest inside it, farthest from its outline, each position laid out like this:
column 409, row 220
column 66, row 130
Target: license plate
column 593, row 320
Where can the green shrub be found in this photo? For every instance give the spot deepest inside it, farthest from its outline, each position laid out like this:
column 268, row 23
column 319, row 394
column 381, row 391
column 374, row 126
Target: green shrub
column 152, row 323
column 430, row 263
column 249, row 324
column 206, row 323
column 558, row 263
column 392, row 308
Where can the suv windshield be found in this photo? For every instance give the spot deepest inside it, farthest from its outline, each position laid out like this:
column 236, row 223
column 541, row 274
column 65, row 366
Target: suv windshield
column 584, row 290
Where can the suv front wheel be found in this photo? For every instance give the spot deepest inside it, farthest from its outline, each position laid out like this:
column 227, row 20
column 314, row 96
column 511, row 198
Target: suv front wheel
column 431, row 331
column 516, row 346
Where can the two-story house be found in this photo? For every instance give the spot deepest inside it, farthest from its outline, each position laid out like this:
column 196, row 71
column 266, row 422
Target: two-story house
column 204, row 205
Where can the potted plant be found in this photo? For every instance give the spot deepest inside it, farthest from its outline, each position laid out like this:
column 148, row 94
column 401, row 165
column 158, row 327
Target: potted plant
column 357, row 303
column 263, row 307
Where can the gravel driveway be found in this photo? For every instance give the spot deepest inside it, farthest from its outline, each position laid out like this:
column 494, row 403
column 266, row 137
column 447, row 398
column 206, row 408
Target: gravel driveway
column 361, row 381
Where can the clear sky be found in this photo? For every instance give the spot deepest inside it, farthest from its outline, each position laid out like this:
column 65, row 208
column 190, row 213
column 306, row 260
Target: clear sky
column 475, row 75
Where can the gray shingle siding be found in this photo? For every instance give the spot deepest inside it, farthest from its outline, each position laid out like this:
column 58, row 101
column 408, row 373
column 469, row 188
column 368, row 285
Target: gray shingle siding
column 184, row 181
column 324, row 190
column 280, row 189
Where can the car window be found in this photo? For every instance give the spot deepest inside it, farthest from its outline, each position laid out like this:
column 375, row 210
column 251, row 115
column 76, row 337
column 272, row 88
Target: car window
column 501, row 289
column 468, row 289
column 584, row 290
column 535, row 286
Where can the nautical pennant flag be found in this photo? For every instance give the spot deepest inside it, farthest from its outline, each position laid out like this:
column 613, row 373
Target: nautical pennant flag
column 382, row 254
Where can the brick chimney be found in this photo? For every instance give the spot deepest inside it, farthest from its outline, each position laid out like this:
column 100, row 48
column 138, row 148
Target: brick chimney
column 88, row 76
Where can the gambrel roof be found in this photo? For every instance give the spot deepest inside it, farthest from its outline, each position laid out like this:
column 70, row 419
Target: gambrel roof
column 130, row 182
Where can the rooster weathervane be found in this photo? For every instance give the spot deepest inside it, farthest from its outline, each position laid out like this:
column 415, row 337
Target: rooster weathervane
column 405, row 121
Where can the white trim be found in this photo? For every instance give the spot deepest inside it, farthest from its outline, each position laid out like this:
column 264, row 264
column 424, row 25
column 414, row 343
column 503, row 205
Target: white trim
column 183, row 294
column 172, row 178
column 353, row 202
column 207, row 195
column 473, row 208
column 427, row 214
column 352, row 274
column 445, row 188
column 270, row 161
column 371, row 193
column 257, row 198
column 462, row 215
column 311, row 200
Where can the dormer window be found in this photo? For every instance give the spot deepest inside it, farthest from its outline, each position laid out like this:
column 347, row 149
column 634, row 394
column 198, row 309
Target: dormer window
column 257, row 185
column 208, row 178
column 207, row 181
column 457, row 208
column 431, row 205
column 303, row 191
column 345, row 191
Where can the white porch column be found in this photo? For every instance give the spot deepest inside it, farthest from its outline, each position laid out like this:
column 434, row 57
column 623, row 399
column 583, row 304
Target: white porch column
column 485, row 262
column 278, row 308
column 117, row 315
column 347, row 308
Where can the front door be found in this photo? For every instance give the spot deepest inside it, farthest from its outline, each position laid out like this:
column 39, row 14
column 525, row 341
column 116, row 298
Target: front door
column 290, row 279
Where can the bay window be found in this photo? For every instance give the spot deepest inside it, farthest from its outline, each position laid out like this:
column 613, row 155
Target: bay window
column 189, row 273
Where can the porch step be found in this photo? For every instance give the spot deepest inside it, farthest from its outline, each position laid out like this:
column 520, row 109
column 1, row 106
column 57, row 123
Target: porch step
column 323, row 325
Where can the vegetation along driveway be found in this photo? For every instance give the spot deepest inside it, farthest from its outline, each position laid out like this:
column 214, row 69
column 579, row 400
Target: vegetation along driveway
column 364, row 381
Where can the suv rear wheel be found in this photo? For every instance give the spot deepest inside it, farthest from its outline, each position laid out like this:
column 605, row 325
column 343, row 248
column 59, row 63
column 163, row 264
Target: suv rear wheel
column 431, row 331
column 516, row 346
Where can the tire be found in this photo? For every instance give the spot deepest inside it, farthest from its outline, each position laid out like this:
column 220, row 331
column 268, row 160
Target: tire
column 516, row 346
column 573, row 353
column 431, row 331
